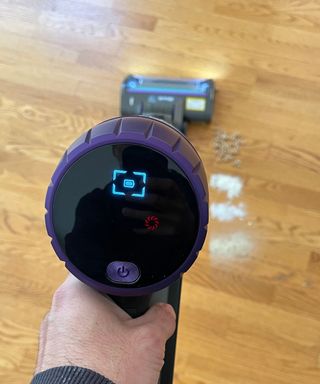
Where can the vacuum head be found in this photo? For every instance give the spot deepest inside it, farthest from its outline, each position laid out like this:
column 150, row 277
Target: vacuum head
column 127, row 208
column 177, row 101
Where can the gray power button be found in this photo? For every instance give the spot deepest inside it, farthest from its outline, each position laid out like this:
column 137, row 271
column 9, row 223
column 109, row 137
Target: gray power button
column 122, row 272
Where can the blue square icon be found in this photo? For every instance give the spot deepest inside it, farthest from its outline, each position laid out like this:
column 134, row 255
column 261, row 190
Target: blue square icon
column 129, row 183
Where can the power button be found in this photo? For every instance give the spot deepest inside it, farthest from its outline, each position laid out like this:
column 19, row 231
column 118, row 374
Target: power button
column 122, row 272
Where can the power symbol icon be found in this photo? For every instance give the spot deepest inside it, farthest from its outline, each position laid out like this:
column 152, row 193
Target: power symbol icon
column 123, row 271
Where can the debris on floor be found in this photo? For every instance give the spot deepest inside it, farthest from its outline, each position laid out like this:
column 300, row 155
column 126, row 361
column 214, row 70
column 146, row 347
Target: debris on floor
column 227, row 148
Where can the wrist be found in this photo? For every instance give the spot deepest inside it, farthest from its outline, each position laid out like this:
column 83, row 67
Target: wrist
column 71, row 375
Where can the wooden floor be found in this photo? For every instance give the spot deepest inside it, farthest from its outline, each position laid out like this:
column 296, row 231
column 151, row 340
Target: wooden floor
column 251, row 303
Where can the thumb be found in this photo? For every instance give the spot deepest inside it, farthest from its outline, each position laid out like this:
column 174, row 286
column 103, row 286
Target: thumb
column 161, row 317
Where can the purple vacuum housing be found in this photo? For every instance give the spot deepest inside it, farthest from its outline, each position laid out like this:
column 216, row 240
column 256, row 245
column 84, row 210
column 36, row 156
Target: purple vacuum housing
column 152, row 134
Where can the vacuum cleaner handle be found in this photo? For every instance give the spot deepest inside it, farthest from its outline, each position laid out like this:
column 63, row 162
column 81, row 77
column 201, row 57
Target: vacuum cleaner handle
column 135, row 306
column 167, row 373
column 138, row 305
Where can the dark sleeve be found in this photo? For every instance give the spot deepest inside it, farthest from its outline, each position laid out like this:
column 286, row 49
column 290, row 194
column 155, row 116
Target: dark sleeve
column 69, row 375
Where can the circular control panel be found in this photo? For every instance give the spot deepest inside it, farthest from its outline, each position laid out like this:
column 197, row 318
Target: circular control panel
column 127, row 207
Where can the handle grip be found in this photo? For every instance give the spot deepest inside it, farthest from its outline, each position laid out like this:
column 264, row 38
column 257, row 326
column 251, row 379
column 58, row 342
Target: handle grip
column 138, row 305
column 135, row 306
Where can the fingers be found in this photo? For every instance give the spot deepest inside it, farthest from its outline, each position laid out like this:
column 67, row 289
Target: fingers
column 167, row 187
column 160, row 319
column 155, row 200
column 165, row 230
column 137, row 214
column 158, row 202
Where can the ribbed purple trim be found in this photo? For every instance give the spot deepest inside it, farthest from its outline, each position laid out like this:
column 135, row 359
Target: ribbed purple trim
column 69, row 375
column 149, row 132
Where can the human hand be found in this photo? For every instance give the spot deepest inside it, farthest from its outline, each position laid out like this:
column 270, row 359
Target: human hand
column 87, row 329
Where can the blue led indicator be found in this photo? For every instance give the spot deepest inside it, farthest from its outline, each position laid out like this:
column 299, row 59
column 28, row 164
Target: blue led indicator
column 128, row 183
column 132, row 84
column 142, row 174
column 142, row 194
column 115, row 192
column 134, row 185
column 117, row 172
